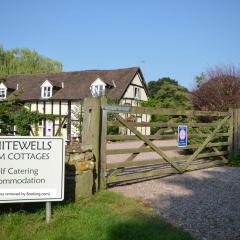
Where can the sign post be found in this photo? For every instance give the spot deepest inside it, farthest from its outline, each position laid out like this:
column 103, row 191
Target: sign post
column 32, row 170
column 48, row 211
column 182, row 136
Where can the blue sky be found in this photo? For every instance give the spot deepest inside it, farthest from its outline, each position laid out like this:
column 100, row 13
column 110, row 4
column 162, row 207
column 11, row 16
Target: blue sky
column 174, row 38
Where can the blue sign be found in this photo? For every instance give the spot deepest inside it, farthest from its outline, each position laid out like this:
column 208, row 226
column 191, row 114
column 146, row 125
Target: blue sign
column 182, row 136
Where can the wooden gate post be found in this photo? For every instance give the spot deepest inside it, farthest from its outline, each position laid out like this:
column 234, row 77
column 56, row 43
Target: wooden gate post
column 103, row 160
column 92, row 128
column 236, row 133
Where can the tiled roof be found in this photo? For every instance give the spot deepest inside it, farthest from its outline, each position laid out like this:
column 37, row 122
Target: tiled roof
column 76, row 84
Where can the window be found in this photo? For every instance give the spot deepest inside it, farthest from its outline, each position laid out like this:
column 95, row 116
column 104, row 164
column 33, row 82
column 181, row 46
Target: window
column 3, row 93
column 98, row 90
column 40, row 123
column 101, row 90
column 46, row 92
column 46, row 89
column 137, row 93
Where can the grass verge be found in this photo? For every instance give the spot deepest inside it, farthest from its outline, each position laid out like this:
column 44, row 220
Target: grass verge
column 234, row 161
column 105, row 216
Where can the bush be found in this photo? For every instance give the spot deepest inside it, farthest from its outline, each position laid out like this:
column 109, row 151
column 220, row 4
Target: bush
column 218, row 90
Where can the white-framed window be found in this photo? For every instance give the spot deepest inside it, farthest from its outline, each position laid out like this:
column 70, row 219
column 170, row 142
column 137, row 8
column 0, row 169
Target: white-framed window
column 47, row 89
column 98, row 88
column 47, row 92
column 137, row 92
column 3, row 91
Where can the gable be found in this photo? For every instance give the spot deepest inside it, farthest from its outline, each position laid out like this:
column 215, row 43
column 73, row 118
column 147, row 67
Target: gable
column 46, row 84
column 2, row 85
column 137, row 82
column 98, row 81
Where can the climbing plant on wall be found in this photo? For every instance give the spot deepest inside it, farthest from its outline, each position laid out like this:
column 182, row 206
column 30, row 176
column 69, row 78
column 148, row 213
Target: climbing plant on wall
column 16, row 118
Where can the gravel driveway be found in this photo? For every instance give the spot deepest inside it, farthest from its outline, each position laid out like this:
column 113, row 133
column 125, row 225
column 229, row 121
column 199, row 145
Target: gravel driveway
column 205, row 203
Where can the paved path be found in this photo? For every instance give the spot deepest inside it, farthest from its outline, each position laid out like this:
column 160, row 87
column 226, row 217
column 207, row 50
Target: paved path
column 205, row 203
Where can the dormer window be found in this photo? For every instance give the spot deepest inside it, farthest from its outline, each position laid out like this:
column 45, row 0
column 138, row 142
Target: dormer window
column 98, row 88
column 3, row 91
column 47, row 92
column 46, row 89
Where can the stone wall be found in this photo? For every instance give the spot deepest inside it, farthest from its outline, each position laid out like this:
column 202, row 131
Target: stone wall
column 79, row 174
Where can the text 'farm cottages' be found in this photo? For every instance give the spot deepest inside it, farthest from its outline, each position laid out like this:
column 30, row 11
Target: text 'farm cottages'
column 62, row 94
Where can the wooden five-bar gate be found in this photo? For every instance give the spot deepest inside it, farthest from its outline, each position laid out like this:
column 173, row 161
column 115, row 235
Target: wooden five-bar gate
column 136, row 143
column 213, row 139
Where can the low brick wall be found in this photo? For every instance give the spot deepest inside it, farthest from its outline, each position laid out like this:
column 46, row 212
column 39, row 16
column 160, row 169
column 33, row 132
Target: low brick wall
column 79, row 177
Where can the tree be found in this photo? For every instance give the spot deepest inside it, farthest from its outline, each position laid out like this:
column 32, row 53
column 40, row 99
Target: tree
column 167, row 93
column 219, row 90
column 22, row 61
column 200, row 79
column 15, row 118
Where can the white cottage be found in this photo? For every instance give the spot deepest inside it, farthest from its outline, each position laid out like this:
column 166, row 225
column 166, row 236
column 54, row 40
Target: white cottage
column 62, row 94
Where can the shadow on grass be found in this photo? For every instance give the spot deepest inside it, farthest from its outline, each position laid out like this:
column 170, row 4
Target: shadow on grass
column 145, row 228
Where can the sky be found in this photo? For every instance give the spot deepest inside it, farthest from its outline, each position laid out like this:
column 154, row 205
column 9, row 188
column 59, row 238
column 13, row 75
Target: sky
column 166, row 38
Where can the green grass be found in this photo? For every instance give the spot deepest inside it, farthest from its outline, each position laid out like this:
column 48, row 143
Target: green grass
column 106, row 215
column 234, row 161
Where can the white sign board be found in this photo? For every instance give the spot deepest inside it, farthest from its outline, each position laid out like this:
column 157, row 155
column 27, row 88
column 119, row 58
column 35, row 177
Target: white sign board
column 31, row 169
